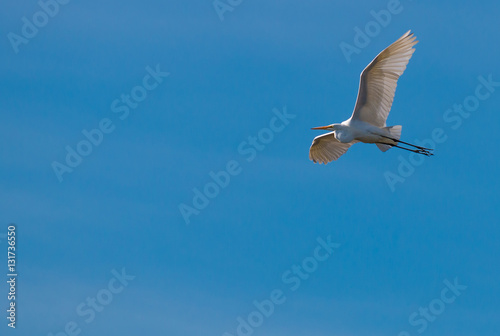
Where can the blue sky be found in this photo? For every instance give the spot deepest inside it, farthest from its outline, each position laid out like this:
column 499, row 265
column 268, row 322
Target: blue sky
column 118, row 210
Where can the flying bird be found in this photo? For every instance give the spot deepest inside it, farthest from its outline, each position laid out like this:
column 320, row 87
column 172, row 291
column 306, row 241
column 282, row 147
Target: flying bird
column 367, row 124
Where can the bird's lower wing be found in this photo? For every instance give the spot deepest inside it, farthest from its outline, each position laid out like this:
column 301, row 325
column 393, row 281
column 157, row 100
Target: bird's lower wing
column 379, row 80
column 326, row 148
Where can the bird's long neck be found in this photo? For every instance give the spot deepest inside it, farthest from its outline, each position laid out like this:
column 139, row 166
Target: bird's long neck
column 342, row 133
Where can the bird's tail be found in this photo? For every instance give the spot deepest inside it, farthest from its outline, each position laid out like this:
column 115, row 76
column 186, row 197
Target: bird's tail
column 394, row 132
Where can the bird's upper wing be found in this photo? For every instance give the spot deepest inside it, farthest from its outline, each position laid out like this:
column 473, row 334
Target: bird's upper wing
column 379, row 80
column 326, row 148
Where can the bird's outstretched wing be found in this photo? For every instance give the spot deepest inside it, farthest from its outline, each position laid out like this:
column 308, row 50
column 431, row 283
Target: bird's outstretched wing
column 326, row 148
column 379, row 80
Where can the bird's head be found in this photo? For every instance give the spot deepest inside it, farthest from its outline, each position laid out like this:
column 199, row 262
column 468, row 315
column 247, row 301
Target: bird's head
column 331, row 127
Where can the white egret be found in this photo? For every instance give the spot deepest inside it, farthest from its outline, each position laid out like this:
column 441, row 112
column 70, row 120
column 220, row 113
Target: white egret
column 376, row 92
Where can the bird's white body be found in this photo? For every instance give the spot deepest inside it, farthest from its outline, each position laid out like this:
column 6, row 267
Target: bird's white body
column 376, row 92
column 351, row 130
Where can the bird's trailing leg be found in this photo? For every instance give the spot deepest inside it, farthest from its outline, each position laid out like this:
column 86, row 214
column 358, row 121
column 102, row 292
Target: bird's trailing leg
column 418, row 150
column 409, row 144
column 422, row 151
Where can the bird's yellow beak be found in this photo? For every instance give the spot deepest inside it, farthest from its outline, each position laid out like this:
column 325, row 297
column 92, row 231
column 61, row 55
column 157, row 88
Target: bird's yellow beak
column 321, row 128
